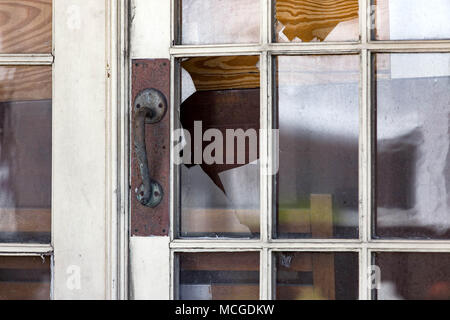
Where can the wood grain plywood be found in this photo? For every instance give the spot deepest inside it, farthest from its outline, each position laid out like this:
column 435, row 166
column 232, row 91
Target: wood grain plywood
column 312, row 20
column 25, row 26
column 25, row 83
column 221, row 73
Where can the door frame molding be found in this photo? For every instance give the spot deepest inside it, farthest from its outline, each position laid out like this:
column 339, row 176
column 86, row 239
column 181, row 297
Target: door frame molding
column 90, row 205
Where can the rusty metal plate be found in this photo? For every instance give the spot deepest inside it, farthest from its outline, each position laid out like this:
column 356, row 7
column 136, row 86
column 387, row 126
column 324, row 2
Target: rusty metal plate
column 145, row 221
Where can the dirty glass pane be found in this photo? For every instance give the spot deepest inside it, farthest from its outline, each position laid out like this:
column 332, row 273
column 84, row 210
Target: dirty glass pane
column 316, row 276
column 412, row 276
column 25, row 153
column 219, row 21
column 316, row 20
column 219, row 276
column 317, row 99
column 25, row 26
column 24, row 278
column 410, row 19
column 412, row 148
column 219, row 171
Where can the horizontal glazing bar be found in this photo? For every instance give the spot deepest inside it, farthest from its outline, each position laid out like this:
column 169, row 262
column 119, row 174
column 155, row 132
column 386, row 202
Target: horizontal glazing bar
column 24, row 249
column 26, row 59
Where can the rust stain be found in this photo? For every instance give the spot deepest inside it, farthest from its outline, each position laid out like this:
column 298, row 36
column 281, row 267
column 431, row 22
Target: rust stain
column 145, row 221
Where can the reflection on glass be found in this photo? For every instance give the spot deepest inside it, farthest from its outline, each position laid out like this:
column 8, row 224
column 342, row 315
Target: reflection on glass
column 413, row 276
column 317, row 183
column 24, row 278
column 220, row 175
column 219, row 276
column 413, row 138
column 25, row 26
column 410, row 19
column 25, row 153
column 220, row 22
column 316, row 20
column 316, row 276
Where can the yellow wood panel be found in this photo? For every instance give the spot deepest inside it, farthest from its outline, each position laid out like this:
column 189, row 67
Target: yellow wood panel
column 321, row 216
column 229, row 261
column 314, row 19
column 25, row 26
column 296, row 293
column 235, row 292
column 323, row 263
column 25, row 220
column 24, row 291
column 294, row 221
column 221, row 73
column 226, row 220
column 22, row 83
column 323, row 275
column 220, row 220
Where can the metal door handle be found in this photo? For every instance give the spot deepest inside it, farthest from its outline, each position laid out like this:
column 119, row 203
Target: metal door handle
column 149, row 107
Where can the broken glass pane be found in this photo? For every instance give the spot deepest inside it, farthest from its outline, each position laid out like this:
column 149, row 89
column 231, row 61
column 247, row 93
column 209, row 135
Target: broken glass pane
column 219, row 171
column 316, row 20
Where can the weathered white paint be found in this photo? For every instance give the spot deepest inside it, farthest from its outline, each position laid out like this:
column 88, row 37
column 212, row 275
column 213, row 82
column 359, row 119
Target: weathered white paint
column 150, row 37
column 82, row 166
column 123, row 97
column 150, row 272
column 150, row 29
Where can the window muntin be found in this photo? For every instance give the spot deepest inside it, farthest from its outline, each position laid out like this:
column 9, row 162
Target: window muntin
column 267, row 245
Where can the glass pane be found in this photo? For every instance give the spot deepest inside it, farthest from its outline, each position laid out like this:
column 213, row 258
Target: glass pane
column 413, row 138
column 219, row 276
column 25, row 153
column 220, row 22
column 413, row 276
column 317, row 182
column 220, row 175
column 410, row 19
column 25, row 26
column 24, row 278
column 316, row 276
column 316, row 20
